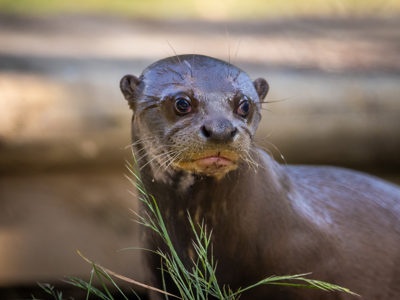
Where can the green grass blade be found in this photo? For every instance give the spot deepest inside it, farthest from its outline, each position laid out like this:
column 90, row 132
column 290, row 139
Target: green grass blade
column 86, row 286
column 101, row 281
column 137, row 296
column 113, row 282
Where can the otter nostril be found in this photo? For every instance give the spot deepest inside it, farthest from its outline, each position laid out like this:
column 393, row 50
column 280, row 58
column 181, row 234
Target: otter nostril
column 205, row 132
column 233, row 133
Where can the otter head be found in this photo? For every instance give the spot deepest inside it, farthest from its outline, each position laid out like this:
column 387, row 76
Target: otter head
column 194, row 113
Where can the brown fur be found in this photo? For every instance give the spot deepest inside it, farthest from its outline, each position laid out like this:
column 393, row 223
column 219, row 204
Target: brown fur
column 267, row 219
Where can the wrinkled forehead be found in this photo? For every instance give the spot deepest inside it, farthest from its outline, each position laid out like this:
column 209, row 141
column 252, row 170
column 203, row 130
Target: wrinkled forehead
column 204, row 76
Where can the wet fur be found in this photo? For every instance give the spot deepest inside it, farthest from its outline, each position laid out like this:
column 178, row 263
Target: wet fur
column 267, row 219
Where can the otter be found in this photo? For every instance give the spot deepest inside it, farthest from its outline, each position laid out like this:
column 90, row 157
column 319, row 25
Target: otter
column 194, row 121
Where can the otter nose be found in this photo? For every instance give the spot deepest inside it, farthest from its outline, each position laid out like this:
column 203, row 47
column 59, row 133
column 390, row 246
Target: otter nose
column 218, row 130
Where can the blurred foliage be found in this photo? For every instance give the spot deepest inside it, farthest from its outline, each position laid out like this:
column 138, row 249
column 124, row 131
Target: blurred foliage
column 206, row 9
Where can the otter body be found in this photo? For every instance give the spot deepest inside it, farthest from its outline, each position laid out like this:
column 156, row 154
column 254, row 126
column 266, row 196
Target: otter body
column 193, row 126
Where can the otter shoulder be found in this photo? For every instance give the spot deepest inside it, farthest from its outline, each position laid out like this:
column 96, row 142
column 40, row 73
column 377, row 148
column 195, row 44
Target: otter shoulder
column 349, row 195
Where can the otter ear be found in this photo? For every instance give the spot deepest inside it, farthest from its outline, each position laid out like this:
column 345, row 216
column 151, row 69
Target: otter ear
column 128, row 85
column 262, row 87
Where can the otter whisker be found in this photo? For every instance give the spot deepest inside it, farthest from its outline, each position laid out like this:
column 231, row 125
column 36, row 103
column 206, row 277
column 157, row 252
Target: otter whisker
column 189, row 67
column 140, row 141
column 150, row 152
column 145, row 147
column 275, row 101
column 257, row 162
column 161, row 163
column 245, row 160
column 175, row 156
column 268, row 110
column 166, row 159
column 263, row 138
column 163, row 155
column 269, row 157
column 180, row 160
column 193, row 58
column 266, row 150
column 247, row 130
column 251, row 161
column 276, row 148
column 142, row 150
column 177, row 56
column 237, row 50
column 157, row 156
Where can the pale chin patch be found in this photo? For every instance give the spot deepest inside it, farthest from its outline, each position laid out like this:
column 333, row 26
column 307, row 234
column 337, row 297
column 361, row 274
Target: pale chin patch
column 215, row 166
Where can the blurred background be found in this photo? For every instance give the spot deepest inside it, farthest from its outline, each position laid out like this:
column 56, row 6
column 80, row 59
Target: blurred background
column 333, row 67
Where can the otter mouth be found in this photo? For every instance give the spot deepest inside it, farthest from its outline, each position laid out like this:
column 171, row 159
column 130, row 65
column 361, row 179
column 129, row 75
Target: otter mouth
column 215, row 164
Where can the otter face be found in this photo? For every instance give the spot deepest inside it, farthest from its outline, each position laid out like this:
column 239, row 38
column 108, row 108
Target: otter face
column 195, row 113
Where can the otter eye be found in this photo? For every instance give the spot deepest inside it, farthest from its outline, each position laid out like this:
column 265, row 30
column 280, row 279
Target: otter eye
column 182, row 106
column 244, row 108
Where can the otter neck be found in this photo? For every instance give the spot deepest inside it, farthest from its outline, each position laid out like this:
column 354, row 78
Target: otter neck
column 206, row 198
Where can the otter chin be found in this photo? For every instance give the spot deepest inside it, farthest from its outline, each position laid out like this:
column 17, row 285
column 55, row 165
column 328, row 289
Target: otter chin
column 216, row 163
column 216, row 166
column 193, row 126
